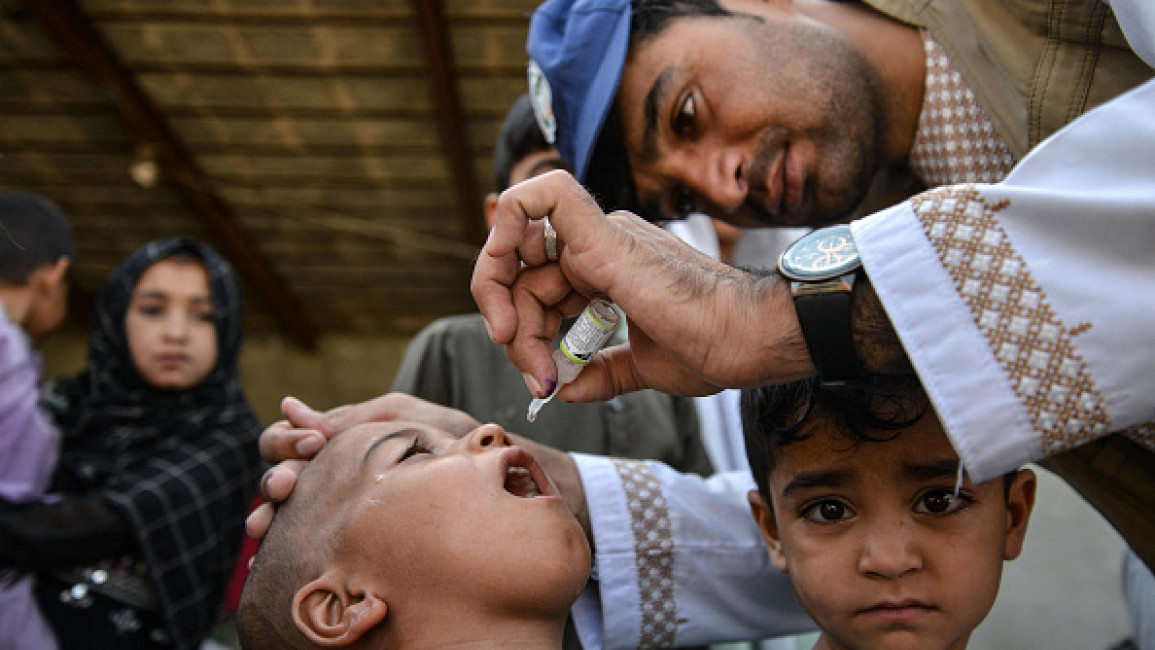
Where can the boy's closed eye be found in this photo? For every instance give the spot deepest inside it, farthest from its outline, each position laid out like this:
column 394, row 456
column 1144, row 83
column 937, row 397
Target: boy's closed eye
column 415, row 448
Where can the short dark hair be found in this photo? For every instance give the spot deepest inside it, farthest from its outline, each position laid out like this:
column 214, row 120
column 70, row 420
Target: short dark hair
column 519, row 137
column 650, row 17
column 33, row 233
column 294, row 551
column 608, row 177
column 776, row 415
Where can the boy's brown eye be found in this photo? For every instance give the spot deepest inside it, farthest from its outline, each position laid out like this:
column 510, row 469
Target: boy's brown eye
column 942, row 502
column 831, row 510
column 938, row 502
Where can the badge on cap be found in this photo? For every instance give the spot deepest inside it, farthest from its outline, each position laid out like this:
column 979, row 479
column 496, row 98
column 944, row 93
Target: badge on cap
column 541, row 97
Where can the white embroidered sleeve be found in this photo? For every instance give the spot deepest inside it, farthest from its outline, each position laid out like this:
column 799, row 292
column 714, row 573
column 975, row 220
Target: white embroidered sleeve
column 678, row 560
column 1028, row 307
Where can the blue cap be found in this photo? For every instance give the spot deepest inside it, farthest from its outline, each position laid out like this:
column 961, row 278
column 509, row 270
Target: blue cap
column 577, row 49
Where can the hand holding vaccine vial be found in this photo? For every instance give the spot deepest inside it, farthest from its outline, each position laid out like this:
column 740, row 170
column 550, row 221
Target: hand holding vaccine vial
column 596, row 325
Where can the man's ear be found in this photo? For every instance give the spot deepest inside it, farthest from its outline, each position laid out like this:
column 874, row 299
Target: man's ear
column 1020, row 502
column 764, row 515
column 490, row 209
column 330, row 615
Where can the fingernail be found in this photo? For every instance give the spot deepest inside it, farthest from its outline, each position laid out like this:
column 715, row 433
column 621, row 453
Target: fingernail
column 309, row 446
column 549, row 386
column 534, row 386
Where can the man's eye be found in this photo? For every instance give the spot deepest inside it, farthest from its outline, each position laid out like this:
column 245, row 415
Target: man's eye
column 417, row 447
column 827, row 512
column 941, row 502
column 686, row 118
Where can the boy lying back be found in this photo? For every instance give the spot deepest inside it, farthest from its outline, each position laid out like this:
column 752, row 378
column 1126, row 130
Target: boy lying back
column 400, row 535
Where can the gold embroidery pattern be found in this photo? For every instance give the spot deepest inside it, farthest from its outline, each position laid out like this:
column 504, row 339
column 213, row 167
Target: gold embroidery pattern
column 1031, row 344
column 955, row 141
column 1144, row 434
column 653, row 552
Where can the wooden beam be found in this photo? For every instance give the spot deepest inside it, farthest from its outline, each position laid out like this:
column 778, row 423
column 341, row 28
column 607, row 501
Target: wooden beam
column 91, row 54
column 450, row 117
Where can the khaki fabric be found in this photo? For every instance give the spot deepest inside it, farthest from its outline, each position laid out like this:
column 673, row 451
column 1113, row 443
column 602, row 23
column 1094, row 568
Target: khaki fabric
column 1034, row 65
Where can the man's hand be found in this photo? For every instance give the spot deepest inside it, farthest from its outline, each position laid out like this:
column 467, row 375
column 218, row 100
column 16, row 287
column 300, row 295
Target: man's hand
column 304, row 431
column 291, row 442
column 696, row 325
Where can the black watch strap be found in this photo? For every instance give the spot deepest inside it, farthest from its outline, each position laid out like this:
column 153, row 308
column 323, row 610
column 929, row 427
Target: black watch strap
column 824, row 315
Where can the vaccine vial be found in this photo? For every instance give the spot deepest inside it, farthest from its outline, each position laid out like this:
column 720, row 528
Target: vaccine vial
column 596, row 325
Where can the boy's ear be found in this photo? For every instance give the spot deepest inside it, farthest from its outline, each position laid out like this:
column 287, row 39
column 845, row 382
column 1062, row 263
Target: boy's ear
column 764, row 515
column 49, row 278
column 1020, row 502
column 329, row 615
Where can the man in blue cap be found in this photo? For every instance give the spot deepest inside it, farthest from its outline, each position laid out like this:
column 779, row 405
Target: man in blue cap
column 784, row 112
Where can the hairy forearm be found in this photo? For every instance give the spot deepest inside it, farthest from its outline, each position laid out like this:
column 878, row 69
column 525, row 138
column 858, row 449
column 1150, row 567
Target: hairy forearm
column 785, row 356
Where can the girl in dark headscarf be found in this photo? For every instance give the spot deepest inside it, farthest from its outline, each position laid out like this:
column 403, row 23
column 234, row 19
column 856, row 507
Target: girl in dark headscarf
column 159, row 461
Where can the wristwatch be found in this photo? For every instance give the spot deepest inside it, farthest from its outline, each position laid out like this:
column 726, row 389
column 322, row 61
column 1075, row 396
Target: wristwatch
column 822, row 267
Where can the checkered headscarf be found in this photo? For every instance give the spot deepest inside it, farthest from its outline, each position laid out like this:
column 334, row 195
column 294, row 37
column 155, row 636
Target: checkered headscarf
column 181, row 467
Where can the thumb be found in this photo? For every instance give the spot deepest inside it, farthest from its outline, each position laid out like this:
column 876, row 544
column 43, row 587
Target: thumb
column 611, row 372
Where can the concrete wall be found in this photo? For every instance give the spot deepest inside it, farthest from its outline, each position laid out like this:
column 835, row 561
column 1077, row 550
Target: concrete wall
column 1065, row 592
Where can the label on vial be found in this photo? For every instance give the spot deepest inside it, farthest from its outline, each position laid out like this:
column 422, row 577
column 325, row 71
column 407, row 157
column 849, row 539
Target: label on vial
column 590, row 332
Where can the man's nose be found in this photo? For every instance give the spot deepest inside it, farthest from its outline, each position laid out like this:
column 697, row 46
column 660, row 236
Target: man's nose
column 721, row 179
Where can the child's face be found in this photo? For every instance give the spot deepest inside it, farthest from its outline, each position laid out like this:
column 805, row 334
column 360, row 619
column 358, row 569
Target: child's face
column 881, row 552
column 443, row 517
column 170, row 325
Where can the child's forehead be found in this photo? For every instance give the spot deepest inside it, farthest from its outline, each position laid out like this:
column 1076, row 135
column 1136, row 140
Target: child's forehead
column 922, row 447
column 365, row 447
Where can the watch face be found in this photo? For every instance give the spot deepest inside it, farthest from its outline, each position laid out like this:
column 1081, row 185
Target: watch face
column 820, row 255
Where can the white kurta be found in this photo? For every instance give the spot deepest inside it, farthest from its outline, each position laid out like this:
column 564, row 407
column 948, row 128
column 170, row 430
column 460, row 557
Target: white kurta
column 1034, row 297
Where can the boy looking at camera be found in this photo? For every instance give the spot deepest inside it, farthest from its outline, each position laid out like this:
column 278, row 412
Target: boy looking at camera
column 861, row 501
column 401, row 535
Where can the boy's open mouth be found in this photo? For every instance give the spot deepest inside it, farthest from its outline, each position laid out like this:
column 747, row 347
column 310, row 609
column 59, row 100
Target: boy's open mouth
column 523, row 477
